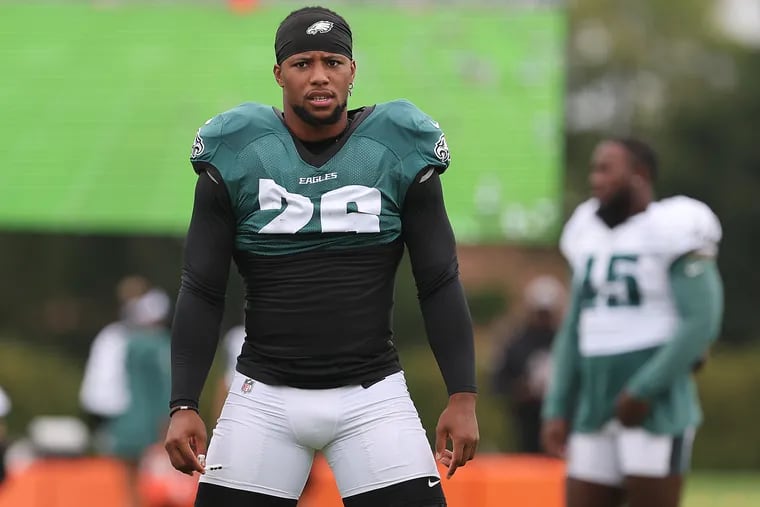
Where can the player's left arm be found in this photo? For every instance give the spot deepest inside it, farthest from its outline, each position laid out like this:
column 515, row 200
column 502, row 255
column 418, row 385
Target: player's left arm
column 430, row 239
column 698, row 294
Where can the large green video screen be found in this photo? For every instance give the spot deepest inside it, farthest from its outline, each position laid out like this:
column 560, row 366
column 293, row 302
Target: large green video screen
column 100, row 106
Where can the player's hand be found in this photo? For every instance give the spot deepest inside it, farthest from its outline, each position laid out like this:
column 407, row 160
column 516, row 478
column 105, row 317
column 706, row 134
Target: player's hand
column 446, row 458
column 631, row 411
column 459, row 424
column 185, row 440
column 554, row 437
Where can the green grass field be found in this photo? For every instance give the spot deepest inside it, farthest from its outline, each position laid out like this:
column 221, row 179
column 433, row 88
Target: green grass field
column 723, row 489
column 101, row 104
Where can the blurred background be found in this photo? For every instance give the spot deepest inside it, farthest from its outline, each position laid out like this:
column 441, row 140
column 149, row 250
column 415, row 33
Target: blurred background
column 100, row 101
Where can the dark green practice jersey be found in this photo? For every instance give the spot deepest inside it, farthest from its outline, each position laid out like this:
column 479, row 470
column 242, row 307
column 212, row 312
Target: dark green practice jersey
column 284, row 204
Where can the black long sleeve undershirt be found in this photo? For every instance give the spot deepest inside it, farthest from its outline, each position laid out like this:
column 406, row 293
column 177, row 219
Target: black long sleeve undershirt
column 200, row 303
column 209, row 248
column 432, row 251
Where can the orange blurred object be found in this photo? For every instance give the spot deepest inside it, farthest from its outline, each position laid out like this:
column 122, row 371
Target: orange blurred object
column 243, row 6
column 490, row 480
column 160, row 485
column 66, row 483
column 97, row 482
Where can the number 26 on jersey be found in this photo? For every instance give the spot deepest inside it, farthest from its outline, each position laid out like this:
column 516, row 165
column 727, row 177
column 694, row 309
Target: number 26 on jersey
column 353, row 208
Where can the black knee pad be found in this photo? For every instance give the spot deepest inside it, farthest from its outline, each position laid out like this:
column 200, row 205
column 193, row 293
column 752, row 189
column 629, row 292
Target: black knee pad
column 422, row 492
column 212, row 495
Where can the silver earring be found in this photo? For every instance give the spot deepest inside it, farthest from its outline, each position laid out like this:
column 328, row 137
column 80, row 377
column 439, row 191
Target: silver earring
column 350, row 89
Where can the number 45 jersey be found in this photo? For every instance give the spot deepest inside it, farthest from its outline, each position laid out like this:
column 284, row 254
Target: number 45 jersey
column 627, row 310
column 626, row 301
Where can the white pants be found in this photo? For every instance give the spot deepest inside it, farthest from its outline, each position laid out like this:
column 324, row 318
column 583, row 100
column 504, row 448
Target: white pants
column 609, row 455
column 266, row 437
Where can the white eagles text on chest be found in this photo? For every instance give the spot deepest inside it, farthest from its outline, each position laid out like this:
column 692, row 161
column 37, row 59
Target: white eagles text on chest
column 317, row 179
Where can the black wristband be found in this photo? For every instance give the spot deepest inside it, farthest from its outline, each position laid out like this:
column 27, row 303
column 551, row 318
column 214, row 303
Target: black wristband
column 176, row 409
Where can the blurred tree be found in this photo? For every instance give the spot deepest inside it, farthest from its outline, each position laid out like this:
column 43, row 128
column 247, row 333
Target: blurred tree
column 59, row 289
column 663, row 71
column 713, row 152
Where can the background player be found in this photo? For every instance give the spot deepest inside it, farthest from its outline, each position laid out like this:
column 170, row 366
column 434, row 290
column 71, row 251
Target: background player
column 315, row 204
column 5, row 408
column 646, row 303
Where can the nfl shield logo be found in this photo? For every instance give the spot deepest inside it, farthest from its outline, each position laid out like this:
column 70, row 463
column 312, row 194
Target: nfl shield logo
column 247, row 386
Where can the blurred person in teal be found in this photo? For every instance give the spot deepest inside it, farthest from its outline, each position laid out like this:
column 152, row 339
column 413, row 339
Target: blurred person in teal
column 647, row 302
column 148, row 382
column 104, row 394
column 315, row 203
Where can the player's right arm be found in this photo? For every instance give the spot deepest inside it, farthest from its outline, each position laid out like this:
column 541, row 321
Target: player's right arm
column 200, row 304
column 429, row 238
column 558, row 401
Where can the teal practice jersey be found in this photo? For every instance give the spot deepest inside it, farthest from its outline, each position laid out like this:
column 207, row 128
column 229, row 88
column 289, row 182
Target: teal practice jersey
column 147, row 365
column 283, row 204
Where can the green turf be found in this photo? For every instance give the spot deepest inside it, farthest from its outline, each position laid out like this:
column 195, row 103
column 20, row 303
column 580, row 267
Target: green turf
column 100, row 106
column 723, row 489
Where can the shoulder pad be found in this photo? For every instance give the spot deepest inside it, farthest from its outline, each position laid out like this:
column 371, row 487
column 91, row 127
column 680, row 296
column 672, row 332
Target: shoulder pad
column 219, row 140
column 428, row 145
column 686, row 225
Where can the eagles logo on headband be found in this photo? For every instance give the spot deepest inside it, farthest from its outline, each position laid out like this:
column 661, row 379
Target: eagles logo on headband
column 320, row 27
column 313, row 30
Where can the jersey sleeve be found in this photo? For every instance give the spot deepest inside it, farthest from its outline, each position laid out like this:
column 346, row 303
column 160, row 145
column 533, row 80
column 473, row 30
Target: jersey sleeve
column 427, row 142
column 219, row 141
column 688, row 226
column 431, row 145
column 208, row 147
column 698, row 295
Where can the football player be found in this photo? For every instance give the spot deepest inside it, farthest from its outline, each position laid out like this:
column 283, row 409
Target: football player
column 647, row 302
column 315, row 203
